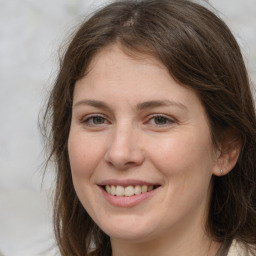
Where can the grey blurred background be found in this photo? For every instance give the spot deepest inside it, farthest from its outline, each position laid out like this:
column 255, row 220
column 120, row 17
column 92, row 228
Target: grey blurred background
column 31, row 32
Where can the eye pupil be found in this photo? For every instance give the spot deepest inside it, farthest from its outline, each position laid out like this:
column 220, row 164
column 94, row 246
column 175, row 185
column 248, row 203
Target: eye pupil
column 98, row 120
column 160, row 120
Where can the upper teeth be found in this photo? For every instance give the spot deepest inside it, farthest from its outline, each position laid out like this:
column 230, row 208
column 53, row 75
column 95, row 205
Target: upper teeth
column 128, row 190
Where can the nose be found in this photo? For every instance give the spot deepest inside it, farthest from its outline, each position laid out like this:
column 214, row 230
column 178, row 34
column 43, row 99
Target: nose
column 124, row 149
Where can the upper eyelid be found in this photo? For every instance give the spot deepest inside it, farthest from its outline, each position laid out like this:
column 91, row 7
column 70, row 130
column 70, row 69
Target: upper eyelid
column 148, row 117
column 87, row 116
column 85, row 119
column 162, row 115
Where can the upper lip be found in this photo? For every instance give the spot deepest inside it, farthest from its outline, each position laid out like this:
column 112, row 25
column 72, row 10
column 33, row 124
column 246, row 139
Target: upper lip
column 127, row 182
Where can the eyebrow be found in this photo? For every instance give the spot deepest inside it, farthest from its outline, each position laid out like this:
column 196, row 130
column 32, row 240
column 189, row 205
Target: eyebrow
column 93, row 103
column 139, row 107
column 159, row 103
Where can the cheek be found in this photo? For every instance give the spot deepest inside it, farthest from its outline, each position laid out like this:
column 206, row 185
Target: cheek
column 184, row 154
column 84, row 158
column 83, row 155
column 186, row 162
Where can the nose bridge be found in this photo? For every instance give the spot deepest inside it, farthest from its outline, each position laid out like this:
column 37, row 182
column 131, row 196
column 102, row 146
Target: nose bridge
column 124, row 148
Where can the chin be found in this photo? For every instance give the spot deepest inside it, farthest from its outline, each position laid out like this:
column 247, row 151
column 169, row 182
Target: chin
column 129, row 230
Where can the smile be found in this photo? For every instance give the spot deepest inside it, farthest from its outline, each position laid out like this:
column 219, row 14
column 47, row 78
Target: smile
column 127, row 191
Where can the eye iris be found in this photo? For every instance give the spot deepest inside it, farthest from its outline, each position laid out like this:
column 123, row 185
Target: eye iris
column 98, row 120
column 160, row 120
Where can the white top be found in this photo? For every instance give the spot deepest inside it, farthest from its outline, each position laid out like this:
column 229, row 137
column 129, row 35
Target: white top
column 236, row 249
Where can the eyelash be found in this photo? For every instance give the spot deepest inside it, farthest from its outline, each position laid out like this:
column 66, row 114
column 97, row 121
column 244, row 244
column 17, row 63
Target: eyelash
column 93, row 118
column 89, row 120
column 167, row 119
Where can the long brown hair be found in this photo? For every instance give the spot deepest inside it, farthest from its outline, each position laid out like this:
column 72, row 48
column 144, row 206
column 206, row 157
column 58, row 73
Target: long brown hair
column 200, row 52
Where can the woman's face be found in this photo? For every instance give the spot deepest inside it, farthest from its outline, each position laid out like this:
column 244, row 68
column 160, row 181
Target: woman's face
column 140, row 149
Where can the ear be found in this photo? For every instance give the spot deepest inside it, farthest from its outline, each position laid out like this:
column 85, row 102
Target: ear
column 228, row 153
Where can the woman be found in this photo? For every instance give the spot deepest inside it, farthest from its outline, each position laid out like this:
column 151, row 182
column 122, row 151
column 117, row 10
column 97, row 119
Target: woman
column 153, row 132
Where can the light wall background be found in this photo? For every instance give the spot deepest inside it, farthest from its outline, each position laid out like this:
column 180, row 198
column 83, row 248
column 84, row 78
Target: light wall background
column 31, row 32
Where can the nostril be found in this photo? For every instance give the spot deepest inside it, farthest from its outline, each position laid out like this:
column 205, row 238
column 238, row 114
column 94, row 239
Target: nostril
column 123, row 154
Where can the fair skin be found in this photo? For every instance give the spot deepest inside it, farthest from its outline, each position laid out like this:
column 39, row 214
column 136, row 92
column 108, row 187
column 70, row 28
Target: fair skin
column 133, row 125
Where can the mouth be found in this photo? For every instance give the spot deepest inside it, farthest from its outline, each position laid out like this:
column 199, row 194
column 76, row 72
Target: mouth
column 128, row 193
column 129, row 190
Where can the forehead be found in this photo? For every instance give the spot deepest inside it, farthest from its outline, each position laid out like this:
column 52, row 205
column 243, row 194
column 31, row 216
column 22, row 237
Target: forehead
column 116, row 53
column 114, row 68
column 118, row 77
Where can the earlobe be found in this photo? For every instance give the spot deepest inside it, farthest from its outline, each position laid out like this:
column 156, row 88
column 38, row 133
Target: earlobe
column 228, row 156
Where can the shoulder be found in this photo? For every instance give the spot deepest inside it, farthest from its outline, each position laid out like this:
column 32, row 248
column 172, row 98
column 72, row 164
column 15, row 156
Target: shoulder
column 238, row 249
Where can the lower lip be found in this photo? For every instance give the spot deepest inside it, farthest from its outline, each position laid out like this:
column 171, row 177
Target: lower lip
column 127, row 201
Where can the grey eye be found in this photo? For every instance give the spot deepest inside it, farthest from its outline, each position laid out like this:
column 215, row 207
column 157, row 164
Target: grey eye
column 95, row 120
column 160, row 120
column 98, row 120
